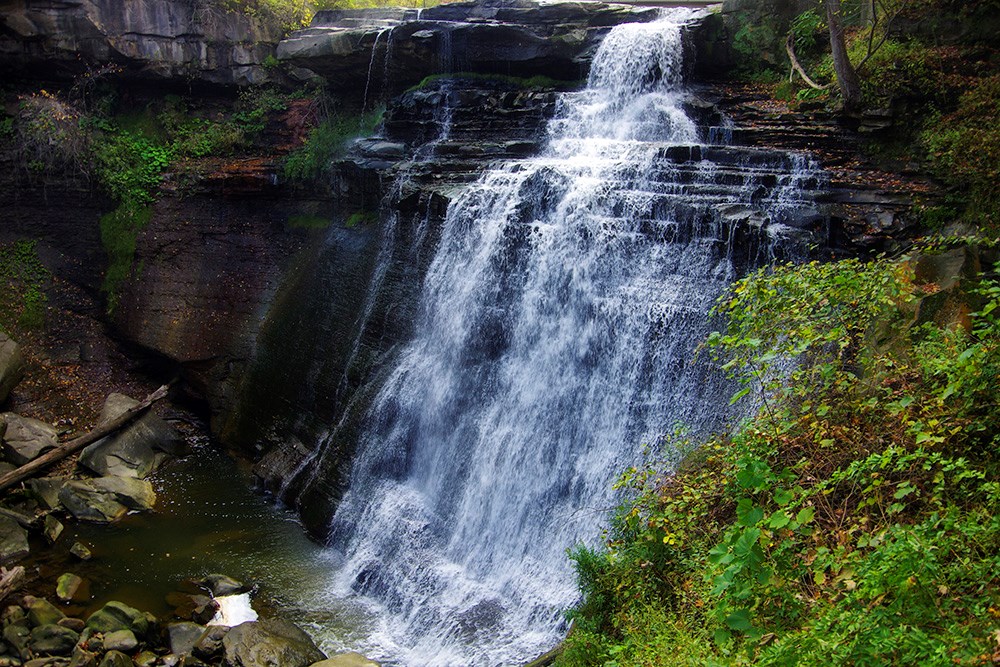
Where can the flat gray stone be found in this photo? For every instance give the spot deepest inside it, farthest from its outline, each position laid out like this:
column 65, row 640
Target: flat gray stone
column 136, row 450
column 106, row 499
column 184, row 636
column 25, row 438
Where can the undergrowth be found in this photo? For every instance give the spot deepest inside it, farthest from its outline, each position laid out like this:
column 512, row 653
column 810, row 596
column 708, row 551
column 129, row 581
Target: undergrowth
column 854, row 520
column 328, row 141
column 23, row 279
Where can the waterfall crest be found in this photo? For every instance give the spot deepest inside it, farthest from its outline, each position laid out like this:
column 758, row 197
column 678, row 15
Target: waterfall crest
column 555, row 339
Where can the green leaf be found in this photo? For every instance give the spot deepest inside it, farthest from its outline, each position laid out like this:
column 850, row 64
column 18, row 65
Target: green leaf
column 805, row 515
column 739, row 621
column 779, row 519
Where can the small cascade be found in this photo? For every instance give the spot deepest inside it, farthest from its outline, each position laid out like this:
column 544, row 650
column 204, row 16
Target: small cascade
column 554, row 340
column 371, row 63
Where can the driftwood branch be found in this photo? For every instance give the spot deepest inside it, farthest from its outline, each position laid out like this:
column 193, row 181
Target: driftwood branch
column 10, row 580
column 790, row 48
column 61, row 452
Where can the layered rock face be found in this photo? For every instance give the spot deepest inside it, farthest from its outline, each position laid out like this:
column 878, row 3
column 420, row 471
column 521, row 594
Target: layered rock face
column 151, row 40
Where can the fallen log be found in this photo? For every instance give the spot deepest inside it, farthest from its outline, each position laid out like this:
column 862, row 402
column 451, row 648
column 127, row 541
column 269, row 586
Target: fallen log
column 75, row 445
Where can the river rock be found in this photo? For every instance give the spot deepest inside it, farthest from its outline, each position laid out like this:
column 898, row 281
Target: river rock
column 270, row 642
column 106, row 499
column 82, row 658
column 347, row 660
column 43, row 612
column 120, row 640
column 46, row 491
column 17, row 635
column 52, row 639
column 221, row 585
column 13, row 541
column 116, row 659
column 11, row 365
column 68, row 586
column 116, row 616
column 52, row 528
column 74, row 624
column 183, row 636
column 136, row 450
column 80, row 551
column 26, row 438
column 210, row 645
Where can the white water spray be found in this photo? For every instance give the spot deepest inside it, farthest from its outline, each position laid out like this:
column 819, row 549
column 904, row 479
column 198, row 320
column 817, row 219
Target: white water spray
column 555, row 340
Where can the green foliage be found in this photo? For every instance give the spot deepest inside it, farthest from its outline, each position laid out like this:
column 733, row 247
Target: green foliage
column 361, row 218
column 965, row 149
column 129, row 166
column 327, row 142
column 254, row 106
column 852, row 521
column 119, row 230
column 756, row 45
column 22, row 285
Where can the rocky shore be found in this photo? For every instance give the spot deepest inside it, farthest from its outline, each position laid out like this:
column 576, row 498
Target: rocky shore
column 49, row 619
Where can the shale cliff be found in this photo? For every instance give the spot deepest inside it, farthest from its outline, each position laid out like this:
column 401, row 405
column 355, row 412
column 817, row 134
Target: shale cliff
column 282, row 302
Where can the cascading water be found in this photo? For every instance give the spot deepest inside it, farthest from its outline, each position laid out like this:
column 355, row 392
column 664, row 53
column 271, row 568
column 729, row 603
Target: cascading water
column 555, row 339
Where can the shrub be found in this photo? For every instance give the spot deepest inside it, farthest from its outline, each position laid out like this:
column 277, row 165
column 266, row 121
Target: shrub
column 326, row 142
column 22, row 285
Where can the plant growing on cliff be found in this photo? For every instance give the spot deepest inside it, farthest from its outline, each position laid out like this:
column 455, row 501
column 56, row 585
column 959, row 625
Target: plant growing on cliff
column 853, row 520
column 328, row 141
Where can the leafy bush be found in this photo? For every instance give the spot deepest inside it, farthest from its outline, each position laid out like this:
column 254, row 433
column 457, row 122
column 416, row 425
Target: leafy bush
column 853, row 520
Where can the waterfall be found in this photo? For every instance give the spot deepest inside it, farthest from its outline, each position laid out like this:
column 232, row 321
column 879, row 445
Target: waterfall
column 555, row 339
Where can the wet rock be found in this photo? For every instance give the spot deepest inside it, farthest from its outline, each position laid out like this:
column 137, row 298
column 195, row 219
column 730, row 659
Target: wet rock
column 82, row 658
column 183, row 636
column 14, row 615
column 146, row 659
column 68, row 586
column 210, row 645
column 52, row 528
column 120, row 640
column 46, row 491
column 347, row 660
column 17, row 636
column 106, row 499
column 11, row 365
column 116, row 659
column 270, row 642
column 75, row 624
column 52, row 639
column 80, row 550
column 13, row 541
column 26, row 438
column 43, row 612
column 118, row 616
column 136, row 450
column 221, row 585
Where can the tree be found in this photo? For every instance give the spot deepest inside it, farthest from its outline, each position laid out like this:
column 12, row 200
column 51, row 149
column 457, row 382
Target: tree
column 847, row 76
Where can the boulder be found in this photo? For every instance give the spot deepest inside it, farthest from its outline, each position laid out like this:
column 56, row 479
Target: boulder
column 25, row 438
column 210, row 645
column 53, row 639
column 347, row 660
column 116, row 616
column 11, row 365
column 270, row 642
column 46, row 491
column 221, row 585
column 43, row 612
column 136, row 450
column 17, row 636
column 184, row 636
column 13, row 541
column 106, row 499
column 120, row 640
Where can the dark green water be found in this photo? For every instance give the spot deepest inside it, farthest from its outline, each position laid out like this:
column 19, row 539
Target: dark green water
column 208, row 519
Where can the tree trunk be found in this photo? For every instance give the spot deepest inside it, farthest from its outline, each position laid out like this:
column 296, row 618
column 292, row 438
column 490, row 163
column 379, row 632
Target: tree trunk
column 847, row 77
